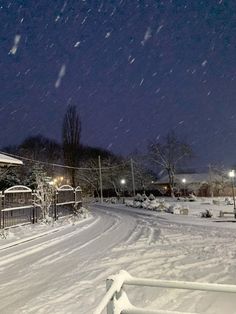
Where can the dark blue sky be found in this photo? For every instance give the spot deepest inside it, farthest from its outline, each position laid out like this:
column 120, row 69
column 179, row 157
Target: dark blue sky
column 135, row 70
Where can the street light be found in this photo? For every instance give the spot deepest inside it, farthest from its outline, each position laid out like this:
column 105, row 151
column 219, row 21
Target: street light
column 123, row 182
column 232, row 175
column 184, row 181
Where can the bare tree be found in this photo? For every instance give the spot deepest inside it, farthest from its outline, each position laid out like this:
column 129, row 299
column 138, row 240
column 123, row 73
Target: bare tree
column 44, row 194
column 169, row 155
column 71, row 131
column 144, row 177
column 113, row 170
column 218, row 179
column 89, row 177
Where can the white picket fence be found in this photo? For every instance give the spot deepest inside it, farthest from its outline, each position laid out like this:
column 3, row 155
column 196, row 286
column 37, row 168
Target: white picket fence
column 116, row 301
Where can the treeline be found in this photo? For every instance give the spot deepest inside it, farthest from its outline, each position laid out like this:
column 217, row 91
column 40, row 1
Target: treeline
column 71, row 162
column 43, row 155
column 79, row 163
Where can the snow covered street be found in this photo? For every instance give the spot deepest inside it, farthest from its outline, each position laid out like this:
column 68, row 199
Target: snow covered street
column 65, row 271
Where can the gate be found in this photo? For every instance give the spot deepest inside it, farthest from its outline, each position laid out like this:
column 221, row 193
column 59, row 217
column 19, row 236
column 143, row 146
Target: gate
column 17, row 206
column 65, row 201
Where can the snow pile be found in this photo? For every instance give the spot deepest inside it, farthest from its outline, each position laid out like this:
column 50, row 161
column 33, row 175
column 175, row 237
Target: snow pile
column 149, row 203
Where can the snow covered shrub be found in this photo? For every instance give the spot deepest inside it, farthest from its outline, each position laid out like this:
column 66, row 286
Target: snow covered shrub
column 178, row 210
column 170, row 209
column 137, row 204
column 128, row 203
column 113, row 200
column 144, row 197
column 162, row 205
column 83, row 212
column 153, row 205
column 145, row 204
column 206, row 214
column 138, row 198
column 183, row 211
column 44, row 194
column 229, row 201
column 151, row 197
column 192, row 198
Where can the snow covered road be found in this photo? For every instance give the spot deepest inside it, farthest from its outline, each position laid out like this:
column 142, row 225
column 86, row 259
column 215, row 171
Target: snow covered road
column 65, row 271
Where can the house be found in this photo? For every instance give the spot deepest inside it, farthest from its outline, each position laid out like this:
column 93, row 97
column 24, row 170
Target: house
column 201, row 184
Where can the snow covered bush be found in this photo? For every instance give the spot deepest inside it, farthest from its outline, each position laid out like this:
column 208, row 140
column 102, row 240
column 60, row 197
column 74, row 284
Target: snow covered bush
column 179, row 210
column 153, row 205
column 138, row 198
column 192, row 198
column 229, row 201
column 206, row 214
column 170, row 209
column 144, row 197
column 113, row 200
column 151, row 197
column 128, row 203
column 44, row 196
column 137, row 204
column 83, row 212
column 145, row 204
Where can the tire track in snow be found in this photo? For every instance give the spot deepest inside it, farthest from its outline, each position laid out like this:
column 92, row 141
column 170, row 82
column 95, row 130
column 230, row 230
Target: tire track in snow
column 12, row 257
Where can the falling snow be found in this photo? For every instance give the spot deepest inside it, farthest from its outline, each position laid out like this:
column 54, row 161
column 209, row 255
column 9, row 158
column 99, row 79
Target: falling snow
column 158, row 61
column 60, row 76
column 77, row 44
column 108, row 34
column 16, row 44
column 147, row 36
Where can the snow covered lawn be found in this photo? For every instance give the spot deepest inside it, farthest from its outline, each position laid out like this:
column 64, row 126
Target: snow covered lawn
column 65, row 271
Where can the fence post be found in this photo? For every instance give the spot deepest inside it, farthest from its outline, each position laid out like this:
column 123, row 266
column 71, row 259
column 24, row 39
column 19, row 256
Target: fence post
column 55, row 204
column 33, row 209
column 1, row 207
column 110, row 305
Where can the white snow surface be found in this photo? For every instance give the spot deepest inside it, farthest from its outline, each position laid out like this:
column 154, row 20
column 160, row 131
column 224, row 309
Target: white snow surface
column 63, row 268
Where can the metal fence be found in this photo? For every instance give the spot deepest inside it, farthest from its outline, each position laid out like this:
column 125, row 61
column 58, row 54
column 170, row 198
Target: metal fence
column 18, row 206
column 116, row 301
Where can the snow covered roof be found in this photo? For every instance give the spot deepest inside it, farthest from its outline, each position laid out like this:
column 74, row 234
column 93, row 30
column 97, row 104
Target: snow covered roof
column 9, row 161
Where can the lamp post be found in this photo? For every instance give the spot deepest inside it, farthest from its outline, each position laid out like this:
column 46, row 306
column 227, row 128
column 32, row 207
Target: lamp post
column 184, row 181
column 232, row 175
column 123, row 182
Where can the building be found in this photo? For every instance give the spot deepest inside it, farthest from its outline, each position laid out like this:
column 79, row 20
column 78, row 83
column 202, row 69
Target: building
column 201, row 184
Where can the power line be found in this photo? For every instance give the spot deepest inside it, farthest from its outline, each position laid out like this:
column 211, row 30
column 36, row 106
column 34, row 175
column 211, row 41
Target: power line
column 59, row 165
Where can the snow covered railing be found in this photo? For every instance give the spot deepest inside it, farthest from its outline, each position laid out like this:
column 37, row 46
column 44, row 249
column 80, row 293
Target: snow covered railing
column 116, row 301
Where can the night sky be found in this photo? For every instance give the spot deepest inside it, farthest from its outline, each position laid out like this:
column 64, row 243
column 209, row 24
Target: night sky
column 134, row 69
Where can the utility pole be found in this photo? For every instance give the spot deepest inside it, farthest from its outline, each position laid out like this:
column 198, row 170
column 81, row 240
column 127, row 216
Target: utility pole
column 210, row 177
column 132, row 173
column 100, row 178
column 232, row 175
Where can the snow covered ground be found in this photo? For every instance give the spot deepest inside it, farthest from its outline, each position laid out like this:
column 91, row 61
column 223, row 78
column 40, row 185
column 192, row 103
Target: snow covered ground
column 64, row 270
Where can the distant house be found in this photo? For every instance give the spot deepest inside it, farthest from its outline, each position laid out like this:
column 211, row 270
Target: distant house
column 201, row 184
